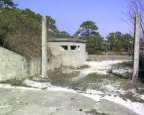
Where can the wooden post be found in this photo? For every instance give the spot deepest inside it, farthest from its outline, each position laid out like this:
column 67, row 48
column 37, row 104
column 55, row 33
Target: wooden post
column 44, row 47
column 136, row 48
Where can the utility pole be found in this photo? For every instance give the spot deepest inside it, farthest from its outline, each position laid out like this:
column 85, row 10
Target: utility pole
column 136, row 48
column 44, row 47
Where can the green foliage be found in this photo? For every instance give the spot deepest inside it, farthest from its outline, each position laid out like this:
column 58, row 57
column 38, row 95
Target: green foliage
column 58, row 34
column 20, row 31
column 88, row 25
column 88, row 31
column 7, row 3
column 87, row 28
column 120, row 42
column 51, row 23
column 94, row 43
column 63, row 34
column 115, row 42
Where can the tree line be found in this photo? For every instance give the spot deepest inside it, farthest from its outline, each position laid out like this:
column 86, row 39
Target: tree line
column 114, row 42
column 17, row 25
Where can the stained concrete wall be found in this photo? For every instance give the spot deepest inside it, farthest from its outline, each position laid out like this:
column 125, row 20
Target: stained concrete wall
column 66, row 57
column 35, row 67
column 12, row 65
column 15, row 66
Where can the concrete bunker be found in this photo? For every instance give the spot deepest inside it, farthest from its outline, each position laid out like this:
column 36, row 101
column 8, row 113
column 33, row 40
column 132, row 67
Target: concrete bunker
column 68, row 52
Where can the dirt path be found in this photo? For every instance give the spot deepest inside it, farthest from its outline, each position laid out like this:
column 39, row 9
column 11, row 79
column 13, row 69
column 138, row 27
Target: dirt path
column 99, row 67
column 100, row 97
column 17, row 101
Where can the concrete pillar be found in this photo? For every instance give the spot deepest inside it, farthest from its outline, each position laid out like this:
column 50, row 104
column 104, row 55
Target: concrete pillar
column 136, row 48
column 44, row 47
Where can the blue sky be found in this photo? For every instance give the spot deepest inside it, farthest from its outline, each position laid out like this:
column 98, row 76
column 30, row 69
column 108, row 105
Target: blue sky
column 109, row 15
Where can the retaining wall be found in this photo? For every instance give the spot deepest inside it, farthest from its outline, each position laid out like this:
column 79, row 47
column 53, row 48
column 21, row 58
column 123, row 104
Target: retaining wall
column 12, row 65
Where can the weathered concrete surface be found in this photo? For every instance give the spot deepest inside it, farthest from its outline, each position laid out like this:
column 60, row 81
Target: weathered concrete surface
column 12, row 65
column 43, row 102
column 66, row 57
column 15, row 66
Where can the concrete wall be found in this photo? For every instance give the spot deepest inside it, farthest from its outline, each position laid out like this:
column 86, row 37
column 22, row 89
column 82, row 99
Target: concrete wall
column 35, row 67
column 12, row 65
column 66, row 57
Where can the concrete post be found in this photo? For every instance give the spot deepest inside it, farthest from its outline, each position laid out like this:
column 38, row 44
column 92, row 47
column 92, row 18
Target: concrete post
column 136, row 48
column 44, row 47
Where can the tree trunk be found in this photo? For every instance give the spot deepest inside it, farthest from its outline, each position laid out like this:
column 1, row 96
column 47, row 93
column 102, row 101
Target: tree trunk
column 136, row 49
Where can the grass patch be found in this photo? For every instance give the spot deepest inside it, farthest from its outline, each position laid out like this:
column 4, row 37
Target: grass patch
column 13, row 82
column 140, row 91
column 129, row 95
column 94, row 81
column 99, row 78
column 59, row 78
column 98, row 82
column 138, row 86
column 125, row 64
column 128, row 64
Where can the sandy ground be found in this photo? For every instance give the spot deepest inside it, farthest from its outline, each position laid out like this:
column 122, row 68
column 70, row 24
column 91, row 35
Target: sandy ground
column 38, row 102
column 99, row 67
column 23, row 101
column 108, row 57
column 46, row 99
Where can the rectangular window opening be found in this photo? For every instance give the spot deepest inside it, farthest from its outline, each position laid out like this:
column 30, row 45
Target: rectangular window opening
column 65, row 47
column 73, row 47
